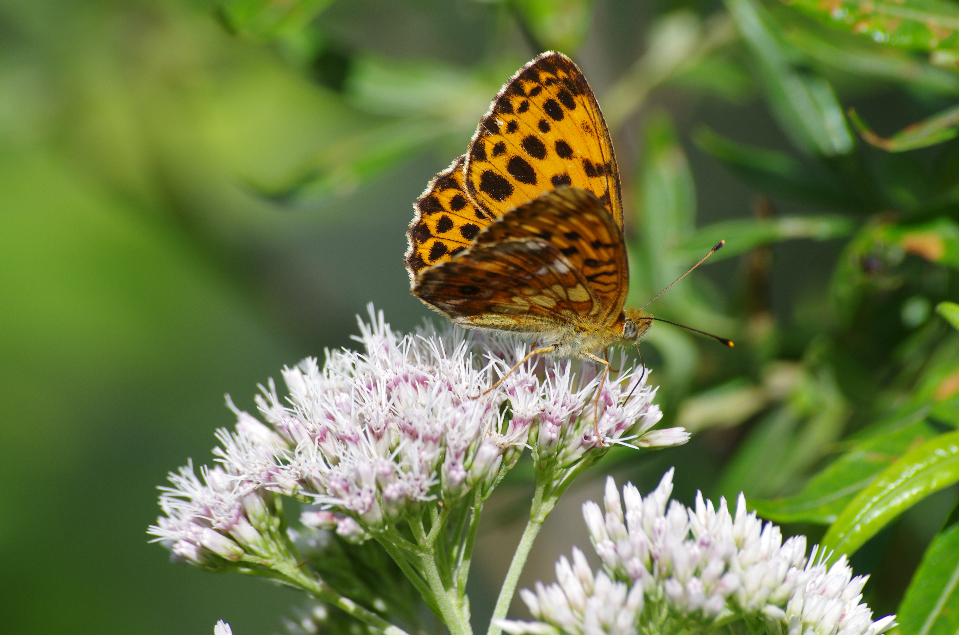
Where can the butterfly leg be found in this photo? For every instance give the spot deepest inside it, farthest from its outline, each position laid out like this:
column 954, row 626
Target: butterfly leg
column 515, row 367
column 601, row 386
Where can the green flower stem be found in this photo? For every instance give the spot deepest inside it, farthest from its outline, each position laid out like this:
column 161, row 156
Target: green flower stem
column 451, row 608
column 297, row 577
column 541, row 506
column 447, row 598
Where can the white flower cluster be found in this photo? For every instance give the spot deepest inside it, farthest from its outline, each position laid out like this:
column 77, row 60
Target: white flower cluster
column 371, row 436
column 670, row 569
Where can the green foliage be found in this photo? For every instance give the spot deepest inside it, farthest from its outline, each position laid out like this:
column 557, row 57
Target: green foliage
column 916, row 474
column 805, row 104
column 923, row 25
column 196, row 198
column 828, row 493
column 931, row 604
column 934, row 130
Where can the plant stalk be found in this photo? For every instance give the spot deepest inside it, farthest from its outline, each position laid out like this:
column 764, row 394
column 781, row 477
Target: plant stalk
column 541, row 507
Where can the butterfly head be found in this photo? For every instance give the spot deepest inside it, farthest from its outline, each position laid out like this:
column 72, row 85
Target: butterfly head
column 634, row 324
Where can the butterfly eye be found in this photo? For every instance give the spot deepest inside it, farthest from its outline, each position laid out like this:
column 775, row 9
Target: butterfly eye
column 630, row 329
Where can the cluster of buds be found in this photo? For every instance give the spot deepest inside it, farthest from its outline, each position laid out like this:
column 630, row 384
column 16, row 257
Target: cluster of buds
column 671, row 569
column 374, row 436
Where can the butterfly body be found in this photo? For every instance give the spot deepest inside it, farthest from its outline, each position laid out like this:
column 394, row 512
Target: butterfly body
column 524, row 233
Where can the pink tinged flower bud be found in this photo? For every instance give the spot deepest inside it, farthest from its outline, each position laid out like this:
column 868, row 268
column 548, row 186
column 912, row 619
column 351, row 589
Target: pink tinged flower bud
column 667, row 437
column 245, row 534
column 256, row 509
column 486, row 461
column 348, row 529
column 188, row 551
column 453, row 476
column 318, row 519
column 220, row 545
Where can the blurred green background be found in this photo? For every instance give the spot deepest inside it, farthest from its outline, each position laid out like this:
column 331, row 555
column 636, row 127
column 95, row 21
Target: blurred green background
column 196, row 194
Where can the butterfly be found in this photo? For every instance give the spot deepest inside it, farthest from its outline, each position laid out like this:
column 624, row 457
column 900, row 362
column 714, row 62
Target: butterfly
column 525, row 231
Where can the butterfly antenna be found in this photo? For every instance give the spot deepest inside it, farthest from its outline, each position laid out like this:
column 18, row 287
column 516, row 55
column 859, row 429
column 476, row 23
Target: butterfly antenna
column 661, row 293
column 725, row 341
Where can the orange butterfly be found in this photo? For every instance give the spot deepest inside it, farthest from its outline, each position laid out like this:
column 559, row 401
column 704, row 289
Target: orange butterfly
column 524, row 232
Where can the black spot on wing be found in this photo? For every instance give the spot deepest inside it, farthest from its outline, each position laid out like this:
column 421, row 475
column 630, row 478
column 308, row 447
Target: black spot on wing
column 446, row 183
column 470, row 231
column 563, row 149
column 498, row 149
column 430, row 204
column 445, row 224
column 521, row 170
column 478, row 153
column 458, row 202
column 534, row 147
column 553, row 109
column 495, row 186
column 512, row 126
column 567, row 99
column 420, row 233
column 543, row 126
column 438, row 250
column 562, row 179
column 416, row 262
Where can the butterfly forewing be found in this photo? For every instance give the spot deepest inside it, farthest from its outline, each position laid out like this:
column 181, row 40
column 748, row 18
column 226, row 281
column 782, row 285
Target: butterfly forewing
column 446, row 221
column 544, row 130
column 553, row 263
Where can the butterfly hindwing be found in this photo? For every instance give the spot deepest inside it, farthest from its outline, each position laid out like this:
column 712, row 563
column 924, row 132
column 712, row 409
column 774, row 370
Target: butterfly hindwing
column 555, row 262
column 579, row 227
column 544, row 130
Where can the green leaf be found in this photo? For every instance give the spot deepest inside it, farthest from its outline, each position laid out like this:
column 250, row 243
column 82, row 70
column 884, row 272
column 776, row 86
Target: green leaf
column 771, row 171
column 804, row 105
column 939, row 128
column 936, row 241
column 743, row 235
column 931, row 604
column 835, row 49
column 950, row 312
column 829, row 491
column 921, row 25
column 920, row 472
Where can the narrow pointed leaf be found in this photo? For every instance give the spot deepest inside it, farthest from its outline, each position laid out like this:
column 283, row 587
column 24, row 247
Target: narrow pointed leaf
column 931, row 604
column 829, row 491
column 939, row 128
column 922, row 471
column 921, row 25
column 804, row 104
column 950, row 312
